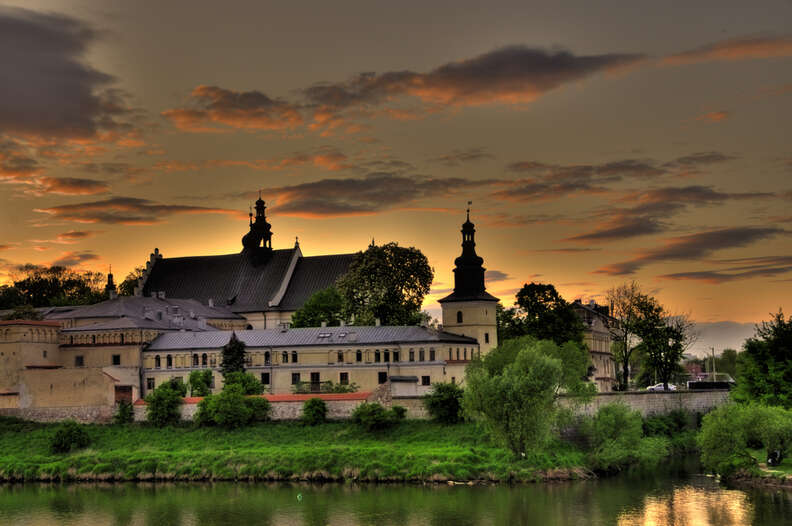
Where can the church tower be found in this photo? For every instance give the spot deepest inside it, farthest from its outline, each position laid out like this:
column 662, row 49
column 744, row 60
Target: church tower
column 258, row 241
column 470, row 309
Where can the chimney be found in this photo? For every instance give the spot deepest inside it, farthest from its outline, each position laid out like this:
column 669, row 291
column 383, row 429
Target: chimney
column 211, row 302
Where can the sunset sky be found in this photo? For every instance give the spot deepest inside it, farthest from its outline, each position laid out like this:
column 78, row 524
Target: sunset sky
column 599, row 142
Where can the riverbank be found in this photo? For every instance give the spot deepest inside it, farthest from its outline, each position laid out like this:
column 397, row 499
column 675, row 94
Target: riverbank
column 414, row 451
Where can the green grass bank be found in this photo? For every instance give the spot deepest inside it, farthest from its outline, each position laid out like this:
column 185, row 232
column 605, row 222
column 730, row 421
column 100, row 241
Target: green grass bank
column 412, row 451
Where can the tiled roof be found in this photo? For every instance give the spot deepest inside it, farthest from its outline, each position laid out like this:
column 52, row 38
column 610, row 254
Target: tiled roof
column 37, row 323
column 232, row 279
column 307, row 337
column 136, row 306
column 312, row 274
column 141, row 323
column 481, row 296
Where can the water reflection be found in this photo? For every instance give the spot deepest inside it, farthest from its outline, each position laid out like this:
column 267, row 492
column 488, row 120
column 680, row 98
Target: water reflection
column 625, row 501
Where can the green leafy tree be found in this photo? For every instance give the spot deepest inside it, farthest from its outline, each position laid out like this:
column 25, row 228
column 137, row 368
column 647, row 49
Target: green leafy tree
column 726, row 362
column 764, row 368
column 664, row 339
column 200, row 382
column 23, row 312
column 125, row 413
column 127, row 287
column 388, row 283
column 232, row 357
column 517, row 406
column 52, row 286
column 614, row 436
column 314, row 412
column 444, row 402
column 230, row 409
column 164, row 403
column 541, row 312
column 249, row 384
column 10, row 297
column 628, row 305
column 325, row 306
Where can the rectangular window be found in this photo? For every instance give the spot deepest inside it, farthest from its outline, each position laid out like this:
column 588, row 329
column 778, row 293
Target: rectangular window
column 421, row 355
column 453, row 380
column 382, row 377
column 294, row 356
column 395, row 356
column 149, row 384
column 295, row 378
column 340, row 356
column 285, row 357
column 387, row 355
column 486, row 337
column 425, row 380
column 44, row 354
column 412, row 355
column 431, row 355
column 79, row 361
column 265, row 378
column 116, row 359
column 376, row 356
column 343, row 378
column 358, row 355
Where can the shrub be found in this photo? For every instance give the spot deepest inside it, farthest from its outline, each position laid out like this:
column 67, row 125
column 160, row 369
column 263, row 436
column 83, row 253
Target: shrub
column 399, row 412
column 125, row 414
column 163, row 403
column 249, row 383
column 260, row 408
column 314, row 411
column 205, row 415
column 374, row 417
column 669, row 424
column 723, row 440
column 69, row 436
column 230, row 407
column 444, row 403
column 614, row 437
column 199, row 382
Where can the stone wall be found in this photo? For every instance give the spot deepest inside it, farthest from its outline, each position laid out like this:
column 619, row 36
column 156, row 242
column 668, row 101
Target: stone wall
column 86, row 415
column 658, row 402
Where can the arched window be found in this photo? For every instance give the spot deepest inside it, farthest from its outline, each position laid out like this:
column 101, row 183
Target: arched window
column 249, row 327
column 465, row 355
column 377, row 355
column 195, row 360
column 285, row 357
column 358, row 356
column 71, row 340
column 204, row 360
column 93, row 338
column 266, row 358
column 157, row 362
column 294, row 356
column 486, row 337
column 169, row 361
column 459, row 316
column 121, row 339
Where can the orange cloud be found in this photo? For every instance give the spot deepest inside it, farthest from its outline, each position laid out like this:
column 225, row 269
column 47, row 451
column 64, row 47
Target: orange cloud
column 714, row 116
column 249, row 110
column 743, row 48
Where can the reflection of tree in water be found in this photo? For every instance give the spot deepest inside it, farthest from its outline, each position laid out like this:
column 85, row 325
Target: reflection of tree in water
column 66, row 504
column 769, row 505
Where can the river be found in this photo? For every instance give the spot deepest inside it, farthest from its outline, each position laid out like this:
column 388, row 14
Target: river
column 678, row 496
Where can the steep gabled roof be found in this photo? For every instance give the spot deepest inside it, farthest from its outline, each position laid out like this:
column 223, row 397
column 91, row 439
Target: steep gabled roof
column 136, row 307
column 312, row 274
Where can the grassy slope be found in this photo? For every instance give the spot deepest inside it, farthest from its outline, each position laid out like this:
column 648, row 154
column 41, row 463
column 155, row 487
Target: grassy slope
column 415, row 450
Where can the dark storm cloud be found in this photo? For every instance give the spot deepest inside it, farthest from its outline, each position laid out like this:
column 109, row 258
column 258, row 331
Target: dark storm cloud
column 460, row 157
column 508, row 75
column 376, row 192
column 652, row 209
column 69, row 186
column 46, row 88
column 692, row 247
column 127, row 211
column 250, row 110
column 70, row 259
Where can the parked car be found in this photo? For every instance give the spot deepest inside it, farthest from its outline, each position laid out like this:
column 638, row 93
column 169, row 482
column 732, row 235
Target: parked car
column 659, row 387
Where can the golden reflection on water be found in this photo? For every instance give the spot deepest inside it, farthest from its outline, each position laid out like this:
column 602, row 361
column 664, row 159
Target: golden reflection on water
column 691, row 506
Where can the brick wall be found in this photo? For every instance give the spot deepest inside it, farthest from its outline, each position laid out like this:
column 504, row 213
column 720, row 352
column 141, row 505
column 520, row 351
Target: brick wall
column 658, row 402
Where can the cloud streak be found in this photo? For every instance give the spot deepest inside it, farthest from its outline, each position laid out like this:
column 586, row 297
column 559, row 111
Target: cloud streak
column 742, row 48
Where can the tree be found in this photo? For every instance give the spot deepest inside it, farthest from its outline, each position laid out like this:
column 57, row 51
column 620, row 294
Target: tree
column 727, row 362
column 764, row 368
column 23, row 312
column 518, row 405
column 325, row 306
column 314, row 412
column 387, row 283
column 127, row 287
column 10, row 297
column 444, row 402
column 52, row 286
column 541, row 312
column 162, row 404
column 233, row 356
column 200, row 382
column 626, row 303
column 664, row 339
column 249, row 384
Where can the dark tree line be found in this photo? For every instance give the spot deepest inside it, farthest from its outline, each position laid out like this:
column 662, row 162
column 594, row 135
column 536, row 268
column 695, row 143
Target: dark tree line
column 52, row 286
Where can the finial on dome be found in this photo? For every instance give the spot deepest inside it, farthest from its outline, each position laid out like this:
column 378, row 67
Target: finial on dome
column 468, row 210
